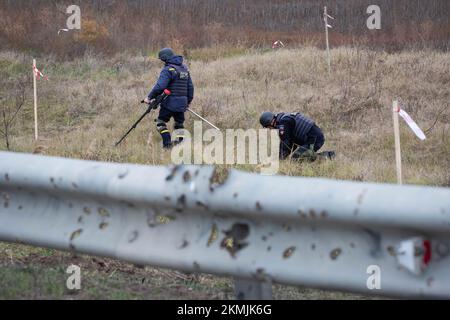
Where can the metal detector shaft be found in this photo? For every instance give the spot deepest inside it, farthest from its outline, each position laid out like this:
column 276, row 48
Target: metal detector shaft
column 134, row 126
column 151, row 106
column 199, row 116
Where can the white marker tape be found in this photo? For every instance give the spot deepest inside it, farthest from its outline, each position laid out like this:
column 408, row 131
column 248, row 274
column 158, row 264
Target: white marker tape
column 39, row 74
column 414, row 127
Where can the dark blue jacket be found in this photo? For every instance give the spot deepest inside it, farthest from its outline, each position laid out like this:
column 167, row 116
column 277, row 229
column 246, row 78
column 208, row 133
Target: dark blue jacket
column 293, row 130
column 174, row 76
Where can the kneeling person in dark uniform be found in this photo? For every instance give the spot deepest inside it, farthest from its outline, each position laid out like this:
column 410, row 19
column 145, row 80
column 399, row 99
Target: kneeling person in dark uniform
column 299, row 135
column 174, row 76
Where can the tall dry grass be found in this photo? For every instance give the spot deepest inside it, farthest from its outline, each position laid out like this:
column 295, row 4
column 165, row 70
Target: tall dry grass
column 89, row 103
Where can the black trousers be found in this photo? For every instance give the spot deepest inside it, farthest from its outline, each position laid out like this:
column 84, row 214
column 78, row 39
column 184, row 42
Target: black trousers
column 315, row 139
column 166, row 114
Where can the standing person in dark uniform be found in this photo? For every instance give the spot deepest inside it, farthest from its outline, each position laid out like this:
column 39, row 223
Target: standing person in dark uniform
column 299, row 134
column 174, row 76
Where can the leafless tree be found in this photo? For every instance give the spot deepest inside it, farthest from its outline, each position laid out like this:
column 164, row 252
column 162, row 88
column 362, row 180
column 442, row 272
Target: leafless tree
column 10, row 105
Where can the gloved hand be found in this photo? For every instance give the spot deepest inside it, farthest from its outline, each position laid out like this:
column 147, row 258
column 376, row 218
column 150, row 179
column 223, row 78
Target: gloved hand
column 156, row 104
column 147, row 100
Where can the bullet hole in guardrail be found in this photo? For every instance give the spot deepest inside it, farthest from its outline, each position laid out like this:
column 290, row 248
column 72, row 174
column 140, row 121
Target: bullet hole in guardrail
column 313, row 246
column 264, row 238
column 128, row 204
column 153, row 221
column 6, row 198
column 103, row 225
column 173, row 171
column 391, row 250
column 335, row 253
column 288, row 252
column 74, row 185
column 75, row 234
column 183, row 244
column 86, row 210
column 258, row 206
column 186, row 176
column 269, row 248
column 260, row 271
column 123, row 175
column 20, row 207
column 181, row 203
column 6, row 177
column 218, row 177
column 361, row 196
column 213, row 235
column 133, row 236
column 196, row 265
column 234, row 238
column 103, row 212
column 165, row 219
column 352, row 245
column 201, row 204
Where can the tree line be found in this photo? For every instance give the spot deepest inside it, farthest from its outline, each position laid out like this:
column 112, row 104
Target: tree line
column 111, row 25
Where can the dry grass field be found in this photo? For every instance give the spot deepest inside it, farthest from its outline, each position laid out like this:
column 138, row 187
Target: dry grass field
column 89, row 102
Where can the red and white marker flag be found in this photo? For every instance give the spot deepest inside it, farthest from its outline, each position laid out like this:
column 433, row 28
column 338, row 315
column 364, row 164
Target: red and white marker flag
column 325, row 18
column 38, row 74
column 411, row 123
column 277, row 44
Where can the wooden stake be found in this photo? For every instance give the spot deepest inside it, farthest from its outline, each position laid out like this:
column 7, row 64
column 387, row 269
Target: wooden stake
column 325, row 15
column 35, row 102
column 398, row 156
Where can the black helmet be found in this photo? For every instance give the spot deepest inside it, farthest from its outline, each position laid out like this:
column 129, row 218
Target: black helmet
column 165, row 54
column 266, row 119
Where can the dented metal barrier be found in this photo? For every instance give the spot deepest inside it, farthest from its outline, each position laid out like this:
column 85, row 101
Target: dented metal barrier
column 362, row 237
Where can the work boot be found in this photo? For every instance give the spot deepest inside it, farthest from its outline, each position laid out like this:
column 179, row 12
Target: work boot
column 330, row 155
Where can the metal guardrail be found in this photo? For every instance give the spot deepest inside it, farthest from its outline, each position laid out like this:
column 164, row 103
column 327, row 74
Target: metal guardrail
column 299, row 231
